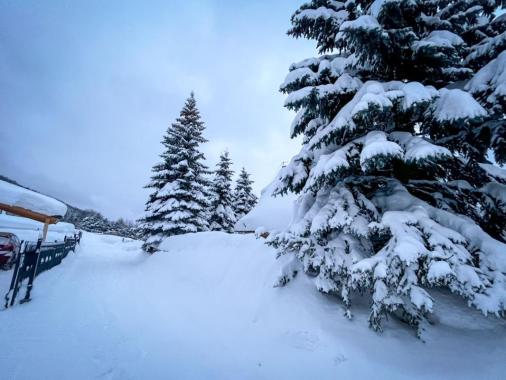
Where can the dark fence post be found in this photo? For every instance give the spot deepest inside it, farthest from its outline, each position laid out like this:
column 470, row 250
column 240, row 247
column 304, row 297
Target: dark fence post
column 34, row 259
column 15, row 276
column 34, row 262
column 64, row 251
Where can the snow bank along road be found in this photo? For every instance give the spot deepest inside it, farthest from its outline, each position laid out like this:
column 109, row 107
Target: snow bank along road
column 206, row 309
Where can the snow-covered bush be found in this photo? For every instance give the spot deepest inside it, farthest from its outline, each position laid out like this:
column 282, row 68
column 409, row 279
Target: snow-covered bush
column 94, row 223
column 395, row 191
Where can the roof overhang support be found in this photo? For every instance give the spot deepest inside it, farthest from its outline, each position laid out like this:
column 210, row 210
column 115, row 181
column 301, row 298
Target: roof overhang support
column 25, row 213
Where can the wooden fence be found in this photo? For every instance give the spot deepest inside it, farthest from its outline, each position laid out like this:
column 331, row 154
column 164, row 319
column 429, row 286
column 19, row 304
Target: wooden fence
column 34, row 259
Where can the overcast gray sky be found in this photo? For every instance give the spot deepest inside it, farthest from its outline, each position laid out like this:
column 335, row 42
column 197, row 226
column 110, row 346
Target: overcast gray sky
column 89, row 87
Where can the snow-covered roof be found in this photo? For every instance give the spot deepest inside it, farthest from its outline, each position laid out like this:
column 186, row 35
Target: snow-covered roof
column 16, row 196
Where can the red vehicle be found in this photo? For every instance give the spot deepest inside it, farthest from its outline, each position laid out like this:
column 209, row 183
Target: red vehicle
column 9, row 249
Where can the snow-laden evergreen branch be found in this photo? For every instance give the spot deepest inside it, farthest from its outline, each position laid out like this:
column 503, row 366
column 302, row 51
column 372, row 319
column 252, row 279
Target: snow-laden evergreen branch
column 396, row 193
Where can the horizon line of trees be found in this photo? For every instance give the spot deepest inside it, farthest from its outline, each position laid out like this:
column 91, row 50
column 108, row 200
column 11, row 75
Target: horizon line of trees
column 93, row 221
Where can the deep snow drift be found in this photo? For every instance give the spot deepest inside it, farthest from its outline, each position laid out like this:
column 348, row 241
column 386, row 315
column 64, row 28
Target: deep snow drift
column 206, row 309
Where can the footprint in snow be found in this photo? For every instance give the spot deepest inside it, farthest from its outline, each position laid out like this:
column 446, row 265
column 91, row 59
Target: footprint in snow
column 339, row 359
column 303, row 340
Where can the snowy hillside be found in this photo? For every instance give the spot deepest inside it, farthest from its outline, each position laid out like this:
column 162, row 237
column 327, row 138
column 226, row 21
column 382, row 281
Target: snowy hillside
column 206, row 309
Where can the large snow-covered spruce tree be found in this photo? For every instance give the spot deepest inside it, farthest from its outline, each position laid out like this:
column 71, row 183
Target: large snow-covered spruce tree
column 178, row 203
column 396, row 195
column 244, row 199
column 222, row 212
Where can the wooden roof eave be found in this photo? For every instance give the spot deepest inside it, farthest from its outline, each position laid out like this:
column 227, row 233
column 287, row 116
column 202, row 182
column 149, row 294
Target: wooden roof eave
column 20, row 211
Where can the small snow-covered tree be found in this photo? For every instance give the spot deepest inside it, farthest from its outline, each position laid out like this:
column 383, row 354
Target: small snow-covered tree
column 87, row 223
column 222, row 213
column 395, row 192
column 95, row 222
column 178, row 203
column 208, row 192
column 244, row 199
column 125, row 228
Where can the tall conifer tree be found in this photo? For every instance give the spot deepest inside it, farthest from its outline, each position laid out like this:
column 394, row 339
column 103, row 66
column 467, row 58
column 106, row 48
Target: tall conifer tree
column 244, row 199
column 396, row 194
column 222, row 213
column 178, row 203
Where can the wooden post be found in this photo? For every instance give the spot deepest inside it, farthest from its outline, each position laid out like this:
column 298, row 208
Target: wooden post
column 44, row 231
column 34, row 261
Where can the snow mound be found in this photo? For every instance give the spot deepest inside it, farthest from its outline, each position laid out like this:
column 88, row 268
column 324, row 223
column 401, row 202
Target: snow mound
column 271, row 213
column 17, row 196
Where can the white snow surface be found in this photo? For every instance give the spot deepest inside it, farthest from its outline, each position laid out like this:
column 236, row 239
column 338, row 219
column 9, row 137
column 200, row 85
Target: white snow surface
column 376, row 7
column 323, row 13
column 373, row 94
column 376, row 144
column 494, row 171
column 303, row 73
column 417, row 148
column 490, row 77
column 456, row 105
column 486, row 47
column 206, row 309
column 31, row 230
column 362, row 22
column 13, row 195
column 271, row 213
column 496, row 191
column 439, row 39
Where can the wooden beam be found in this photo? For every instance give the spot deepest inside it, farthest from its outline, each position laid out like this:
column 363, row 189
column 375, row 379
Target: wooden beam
column 44, row 231
column 25, row 213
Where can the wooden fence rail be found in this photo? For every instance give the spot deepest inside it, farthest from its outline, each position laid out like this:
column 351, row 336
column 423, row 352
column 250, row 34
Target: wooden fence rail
column 34, row 259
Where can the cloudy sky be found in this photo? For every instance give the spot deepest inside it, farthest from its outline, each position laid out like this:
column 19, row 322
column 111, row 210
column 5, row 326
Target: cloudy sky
column 89, row 87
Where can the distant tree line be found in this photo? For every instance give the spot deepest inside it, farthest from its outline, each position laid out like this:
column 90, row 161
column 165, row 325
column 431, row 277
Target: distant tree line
column 93, row 221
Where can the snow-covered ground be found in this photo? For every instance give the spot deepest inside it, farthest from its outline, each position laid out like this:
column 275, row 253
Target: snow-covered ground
column 206, row 309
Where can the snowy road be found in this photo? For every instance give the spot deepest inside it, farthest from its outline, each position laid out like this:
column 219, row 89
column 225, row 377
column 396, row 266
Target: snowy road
column 207, row 310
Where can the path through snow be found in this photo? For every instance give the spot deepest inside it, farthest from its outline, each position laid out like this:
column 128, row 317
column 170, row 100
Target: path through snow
column 207, row 310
